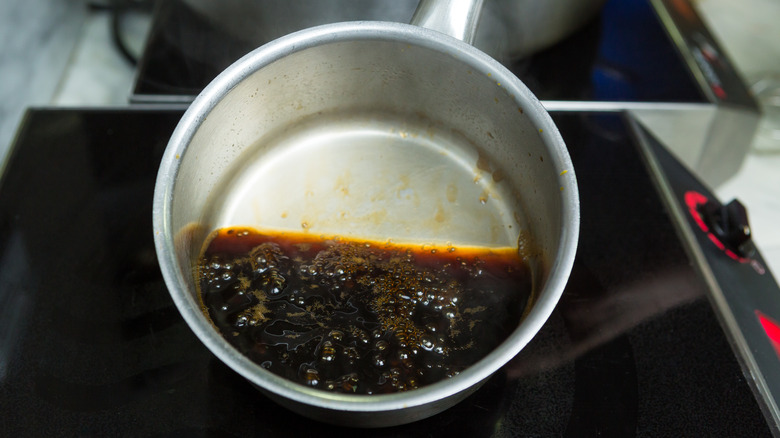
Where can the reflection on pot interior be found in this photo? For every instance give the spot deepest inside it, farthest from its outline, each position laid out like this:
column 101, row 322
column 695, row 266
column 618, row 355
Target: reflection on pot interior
column 361, row 316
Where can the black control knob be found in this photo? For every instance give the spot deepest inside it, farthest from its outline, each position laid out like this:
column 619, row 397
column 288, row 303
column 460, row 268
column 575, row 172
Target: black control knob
column 729, row 223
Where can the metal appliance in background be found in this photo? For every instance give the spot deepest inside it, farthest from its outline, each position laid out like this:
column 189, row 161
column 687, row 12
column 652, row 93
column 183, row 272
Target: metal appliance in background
column 509, row 29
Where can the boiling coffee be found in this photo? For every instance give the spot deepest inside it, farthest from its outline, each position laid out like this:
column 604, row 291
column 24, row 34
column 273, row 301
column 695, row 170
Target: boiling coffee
column 359, row 316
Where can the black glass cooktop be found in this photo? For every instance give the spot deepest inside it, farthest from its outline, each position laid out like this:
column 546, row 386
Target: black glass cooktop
column 92, row 345
column 623, row 54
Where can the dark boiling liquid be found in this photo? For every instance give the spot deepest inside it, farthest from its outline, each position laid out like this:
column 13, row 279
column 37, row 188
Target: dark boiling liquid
column 356, row 316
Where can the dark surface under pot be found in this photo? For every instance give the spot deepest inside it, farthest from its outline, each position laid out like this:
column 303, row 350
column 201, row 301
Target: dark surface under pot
column 91, row 344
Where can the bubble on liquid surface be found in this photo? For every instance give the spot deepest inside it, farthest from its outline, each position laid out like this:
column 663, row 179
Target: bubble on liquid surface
column 359, row 317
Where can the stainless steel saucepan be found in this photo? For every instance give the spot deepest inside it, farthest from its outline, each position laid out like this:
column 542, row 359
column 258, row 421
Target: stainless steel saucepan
column 373, row 130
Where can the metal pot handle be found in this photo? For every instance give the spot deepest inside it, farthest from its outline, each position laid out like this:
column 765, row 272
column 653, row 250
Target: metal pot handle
column 456, row 18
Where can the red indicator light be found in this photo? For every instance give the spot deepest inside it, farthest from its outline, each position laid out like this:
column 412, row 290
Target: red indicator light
column 693, row 200
column 772, row 330
column 719, row 91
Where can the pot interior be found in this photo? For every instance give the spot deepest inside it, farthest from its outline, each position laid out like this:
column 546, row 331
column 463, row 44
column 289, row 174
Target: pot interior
column 380, row 132
column 372, row 139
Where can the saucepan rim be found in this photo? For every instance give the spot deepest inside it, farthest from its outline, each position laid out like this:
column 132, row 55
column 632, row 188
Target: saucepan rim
column 207, row 100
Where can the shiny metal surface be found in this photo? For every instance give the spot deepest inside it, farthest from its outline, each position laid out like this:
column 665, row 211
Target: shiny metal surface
column 457, row 18
column 735, row 120
column 368, row 129
column 372, row 175
column 509, row 29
